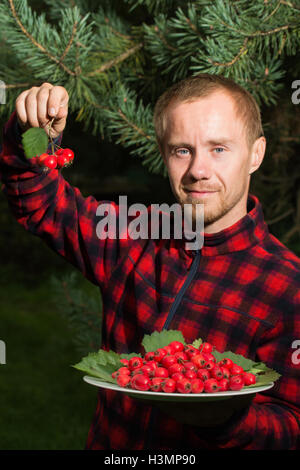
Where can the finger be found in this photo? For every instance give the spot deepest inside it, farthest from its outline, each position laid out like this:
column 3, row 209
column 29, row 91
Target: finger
column 20, row 108
column 31, row 107
column 58, row 102
column 42, row 103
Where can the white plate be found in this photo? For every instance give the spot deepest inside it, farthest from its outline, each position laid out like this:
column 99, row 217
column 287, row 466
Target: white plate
column 176, row 396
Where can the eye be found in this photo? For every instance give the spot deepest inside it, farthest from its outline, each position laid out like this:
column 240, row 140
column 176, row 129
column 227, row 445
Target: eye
column 182, row 152
column 219, row 148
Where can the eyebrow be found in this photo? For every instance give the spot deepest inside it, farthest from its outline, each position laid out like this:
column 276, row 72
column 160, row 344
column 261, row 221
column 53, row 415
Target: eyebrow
column 219, row 141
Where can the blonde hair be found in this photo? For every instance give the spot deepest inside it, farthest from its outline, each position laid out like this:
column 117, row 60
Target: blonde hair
column 202, row 85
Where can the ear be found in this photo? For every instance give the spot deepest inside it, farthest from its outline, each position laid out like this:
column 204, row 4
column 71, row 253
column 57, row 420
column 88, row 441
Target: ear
column 257, row 154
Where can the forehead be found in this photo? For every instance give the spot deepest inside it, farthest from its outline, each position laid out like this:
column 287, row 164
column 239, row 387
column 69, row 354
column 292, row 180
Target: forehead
column 206, row 117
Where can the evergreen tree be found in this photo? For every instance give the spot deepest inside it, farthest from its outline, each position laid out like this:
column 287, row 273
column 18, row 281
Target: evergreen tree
column 116, row 57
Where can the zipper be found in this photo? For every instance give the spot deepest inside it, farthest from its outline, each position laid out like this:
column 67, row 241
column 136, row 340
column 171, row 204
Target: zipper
column 181, row 293
column 178, row 298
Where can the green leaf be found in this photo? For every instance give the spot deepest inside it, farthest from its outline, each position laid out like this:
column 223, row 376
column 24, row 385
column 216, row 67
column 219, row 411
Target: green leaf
column 197, row 343
column 160, row 339
column 240, row 360
column 35, row 142
column 265, row 378
column 100, row 364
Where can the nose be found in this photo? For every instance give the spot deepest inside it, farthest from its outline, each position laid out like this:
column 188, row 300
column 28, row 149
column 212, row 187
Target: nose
column 200, row 166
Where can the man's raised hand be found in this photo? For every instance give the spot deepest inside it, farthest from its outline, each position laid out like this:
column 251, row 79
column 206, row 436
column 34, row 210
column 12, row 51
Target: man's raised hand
column 37, row 106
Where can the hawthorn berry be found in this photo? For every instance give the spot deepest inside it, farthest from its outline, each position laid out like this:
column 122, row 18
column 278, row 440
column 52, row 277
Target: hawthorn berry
column 206, row 348
column 203, row 374
column 141, row 382
column 236, row 382
column 197, row 386
column 155, row 384
column 199, row 360
column 176, row 346
column 249, row 379
column 135, row 363
column 236, row 370
column 211, row 386
column 50, row 162
column 216, row 373
column 183, row 385
column 161, row 372
column 223, row 385
column 168, row 385
column 123, row 380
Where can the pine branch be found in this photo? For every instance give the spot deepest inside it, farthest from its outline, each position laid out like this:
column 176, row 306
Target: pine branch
column 36, row 43
column 117, row 60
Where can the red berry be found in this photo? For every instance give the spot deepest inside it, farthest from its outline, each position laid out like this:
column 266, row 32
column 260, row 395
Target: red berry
column 183, row 386
column 69, row 154
column 50, row 162
column 150, row 356
column 141, row 382
column 209, row 365
column 59, row 151
column 216, row 373
column 123, row 380
column 223, row 384
column 206, row 348
column 124, row 361
column 62, row 161
column 161, row 372
column 199, row 360
column 209, row 357
column 155, row 384
column 169, row 385
column 236, row 382
column 168, row 349
column 153, row 366
column 42, row 158
column 176, row 346
column 226, row 362
column 211, row 386
column 181, row 356
column 167, row 361
column 191, row 351
column 190, row 374
column 203, row 374
column 177, row 376
column 226, row 372
column 197, row 386
column 135, row 363
column 189, row 365
column 249, row 379
column 236, row 370
column 159, row 354
column 176, row 368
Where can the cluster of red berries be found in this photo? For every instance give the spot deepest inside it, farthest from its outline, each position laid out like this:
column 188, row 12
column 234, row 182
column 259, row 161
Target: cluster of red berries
column 61, row 158
column 182, row 369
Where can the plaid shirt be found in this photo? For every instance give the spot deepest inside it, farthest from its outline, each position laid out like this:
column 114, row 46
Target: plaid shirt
column 241, row 292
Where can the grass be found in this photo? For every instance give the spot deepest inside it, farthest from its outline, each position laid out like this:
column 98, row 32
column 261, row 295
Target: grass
column 44, row 402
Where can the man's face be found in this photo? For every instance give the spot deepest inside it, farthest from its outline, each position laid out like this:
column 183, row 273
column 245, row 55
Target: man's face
column 208, row 159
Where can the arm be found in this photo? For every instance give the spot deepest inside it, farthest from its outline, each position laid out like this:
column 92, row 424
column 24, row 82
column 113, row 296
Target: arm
column 49, row 207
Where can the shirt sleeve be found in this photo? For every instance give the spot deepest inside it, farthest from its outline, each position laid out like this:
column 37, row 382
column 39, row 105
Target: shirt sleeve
column 47, row 206
column 272, row 420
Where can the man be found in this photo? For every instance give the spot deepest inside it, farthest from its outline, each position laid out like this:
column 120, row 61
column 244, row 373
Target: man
column 240, row 291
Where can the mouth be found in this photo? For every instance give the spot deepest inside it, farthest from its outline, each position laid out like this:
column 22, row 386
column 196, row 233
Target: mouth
column 196, row 194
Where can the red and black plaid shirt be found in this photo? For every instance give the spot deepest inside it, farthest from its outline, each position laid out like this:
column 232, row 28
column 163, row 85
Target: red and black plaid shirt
column 241, row 292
